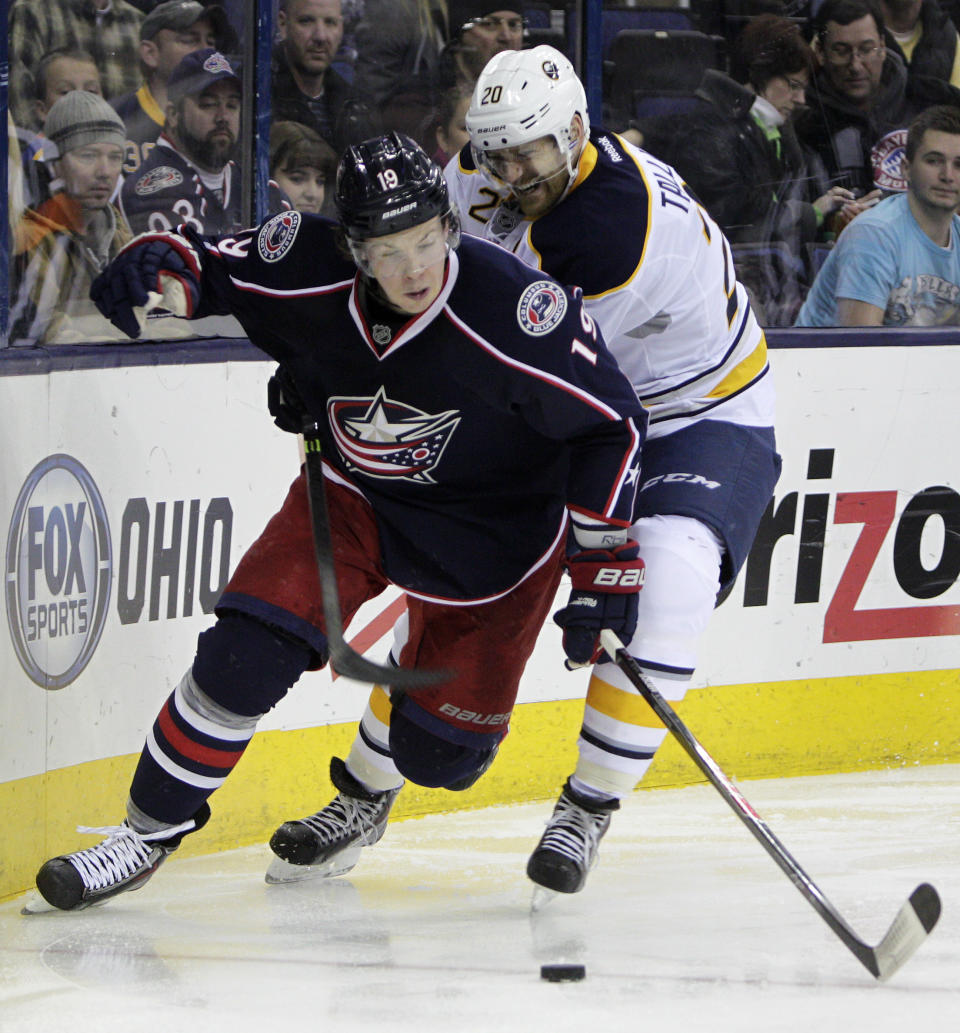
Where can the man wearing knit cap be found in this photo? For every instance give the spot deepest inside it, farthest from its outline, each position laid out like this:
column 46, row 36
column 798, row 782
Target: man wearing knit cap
column 61, row 246
column 189, row 176
column 169, row 32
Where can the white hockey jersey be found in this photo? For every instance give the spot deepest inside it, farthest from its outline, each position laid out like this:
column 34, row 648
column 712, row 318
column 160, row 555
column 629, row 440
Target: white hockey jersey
column 656, row 273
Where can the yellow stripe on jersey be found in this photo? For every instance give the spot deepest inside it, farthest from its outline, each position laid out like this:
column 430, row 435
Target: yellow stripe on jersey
column 743, row 372
column 627, row 707
column 588, row 162
column 586, row 165
column 149, row 104
column 379, row 703
column 646, row 234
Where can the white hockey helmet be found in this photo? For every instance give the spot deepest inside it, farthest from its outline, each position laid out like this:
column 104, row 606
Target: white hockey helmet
column 523, row 95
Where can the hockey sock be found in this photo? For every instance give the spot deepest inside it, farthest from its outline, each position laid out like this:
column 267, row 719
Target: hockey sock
column 192, row 747
column 620, row 735
column 369, row 760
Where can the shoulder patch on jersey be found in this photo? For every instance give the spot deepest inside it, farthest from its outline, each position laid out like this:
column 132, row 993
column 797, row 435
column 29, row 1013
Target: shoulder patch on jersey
column 542, row 305
column 158, row 179
column 276, row 237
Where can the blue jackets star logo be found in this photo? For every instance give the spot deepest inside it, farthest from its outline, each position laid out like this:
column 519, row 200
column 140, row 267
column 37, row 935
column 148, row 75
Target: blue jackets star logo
column 383, row 438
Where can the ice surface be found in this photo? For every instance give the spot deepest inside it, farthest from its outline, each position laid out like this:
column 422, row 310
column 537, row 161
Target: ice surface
column 686, row 925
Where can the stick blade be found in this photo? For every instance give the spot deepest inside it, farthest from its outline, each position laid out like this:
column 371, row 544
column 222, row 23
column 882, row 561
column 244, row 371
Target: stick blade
column 910, row 928
column 349, row 664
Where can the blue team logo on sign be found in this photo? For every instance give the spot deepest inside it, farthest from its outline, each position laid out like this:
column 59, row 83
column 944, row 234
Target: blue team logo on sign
column 542, row 306
column 383, row 438
column 58, row 571
column 158, row 179
column 277, row 236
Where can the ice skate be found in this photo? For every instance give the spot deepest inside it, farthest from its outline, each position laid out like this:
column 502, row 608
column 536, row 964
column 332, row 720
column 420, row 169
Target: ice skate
column 568, row 849
column 328, row 843
column 125, row 860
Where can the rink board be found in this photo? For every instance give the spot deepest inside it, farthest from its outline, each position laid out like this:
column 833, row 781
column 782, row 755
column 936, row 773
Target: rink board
column 134, row 489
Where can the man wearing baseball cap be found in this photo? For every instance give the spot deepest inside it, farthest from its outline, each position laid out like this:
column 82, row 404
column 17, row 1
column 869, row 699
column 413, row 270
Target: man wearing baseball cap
column 60, row 246
column 168, row 33
column 189, row 176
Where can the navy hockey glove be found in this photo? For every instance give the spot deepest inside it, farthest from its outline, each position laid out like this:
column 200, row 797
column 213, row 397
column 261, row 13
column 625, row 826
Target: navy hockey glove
column 287, row 408
column 604, row 595
column 141, row 267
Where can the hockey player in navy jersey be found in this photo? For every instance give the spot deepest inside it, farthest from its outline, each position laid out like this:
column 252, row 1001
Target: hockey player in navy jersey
column 657, row 276
column 470, row 417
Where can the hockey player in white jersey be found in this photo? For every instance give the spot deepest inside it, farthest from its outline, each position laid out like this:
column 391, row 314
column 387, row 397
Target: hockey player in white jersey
column 657, row 276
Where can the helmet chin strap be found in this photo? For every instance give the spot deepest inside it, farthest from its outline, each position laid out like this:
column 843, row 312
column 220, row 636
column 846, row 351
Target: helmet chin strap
column 517, row 191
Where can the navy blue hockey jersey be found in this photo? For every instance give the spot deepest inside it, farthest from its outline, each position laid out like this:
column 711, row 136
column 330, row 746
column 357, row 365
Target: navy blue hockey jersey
column 167, row 192
column 470, row 429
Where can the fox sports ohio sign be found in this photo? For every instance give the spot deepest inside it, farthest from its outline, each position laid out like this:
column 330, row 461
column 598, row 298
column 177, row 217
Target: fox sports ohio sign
column 58, row 571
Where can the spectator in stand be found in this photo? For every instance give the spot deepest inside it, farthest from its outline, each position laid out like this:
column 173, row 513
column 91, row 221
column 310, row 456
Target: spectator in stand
column 61, row 246
column 899, row 265
column 189, row 176
column 305, row 88
column 450, row 125
column 303, row 165
column 739, row 153
column 169, row 32
column 58, row 73
column 109, row 30
column 478, row 30
column 921, row 32
column 864, row 100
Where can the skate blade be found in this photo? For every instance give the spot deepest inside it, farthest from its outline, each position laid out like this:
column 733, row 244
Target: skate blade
column 541, row 898
column 281, row 872
column 36, row 905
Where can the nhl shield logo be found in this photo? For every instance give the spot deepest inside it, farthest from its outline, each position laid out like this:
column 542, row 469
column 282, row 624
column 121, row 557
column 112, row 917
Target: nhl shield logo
column 277, row 236
column 542, row 306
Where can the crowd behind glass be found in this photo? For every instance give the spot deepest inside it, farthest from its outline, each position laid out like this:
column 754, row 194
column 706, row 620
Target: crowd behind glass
column 788, row 121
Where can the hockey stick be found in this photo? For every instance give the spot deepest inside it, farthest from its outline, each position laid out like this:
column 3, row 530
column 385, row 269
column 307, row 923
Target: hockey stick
column 345, row 661
column 915, row 919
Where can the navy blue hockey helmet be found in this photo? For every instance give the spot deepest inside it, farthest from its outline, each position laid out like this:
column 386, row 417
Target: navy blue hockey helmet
column 388, row 184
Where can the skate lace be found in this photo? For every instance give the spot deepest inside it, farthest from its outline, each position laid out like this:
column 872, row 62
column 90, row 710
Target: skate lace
column 119, row 856
column 573, row 831
column 345, row 815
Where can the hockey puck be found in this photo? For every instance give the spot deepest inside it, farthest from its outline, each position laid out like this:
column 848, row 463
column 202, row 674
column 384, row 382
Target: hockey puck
column 563, row 973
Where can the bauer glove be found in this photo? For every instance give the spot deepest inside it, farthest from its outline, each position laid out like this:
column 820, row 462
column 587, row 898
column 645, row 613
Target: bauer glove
column 604, row 595
column 142, row 268
column 288, row 409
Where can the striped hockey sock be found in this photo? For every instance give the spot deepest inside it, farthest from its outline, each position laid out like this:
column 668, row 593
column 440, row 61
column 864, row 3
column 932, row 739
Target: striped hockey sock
column 192, row 747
